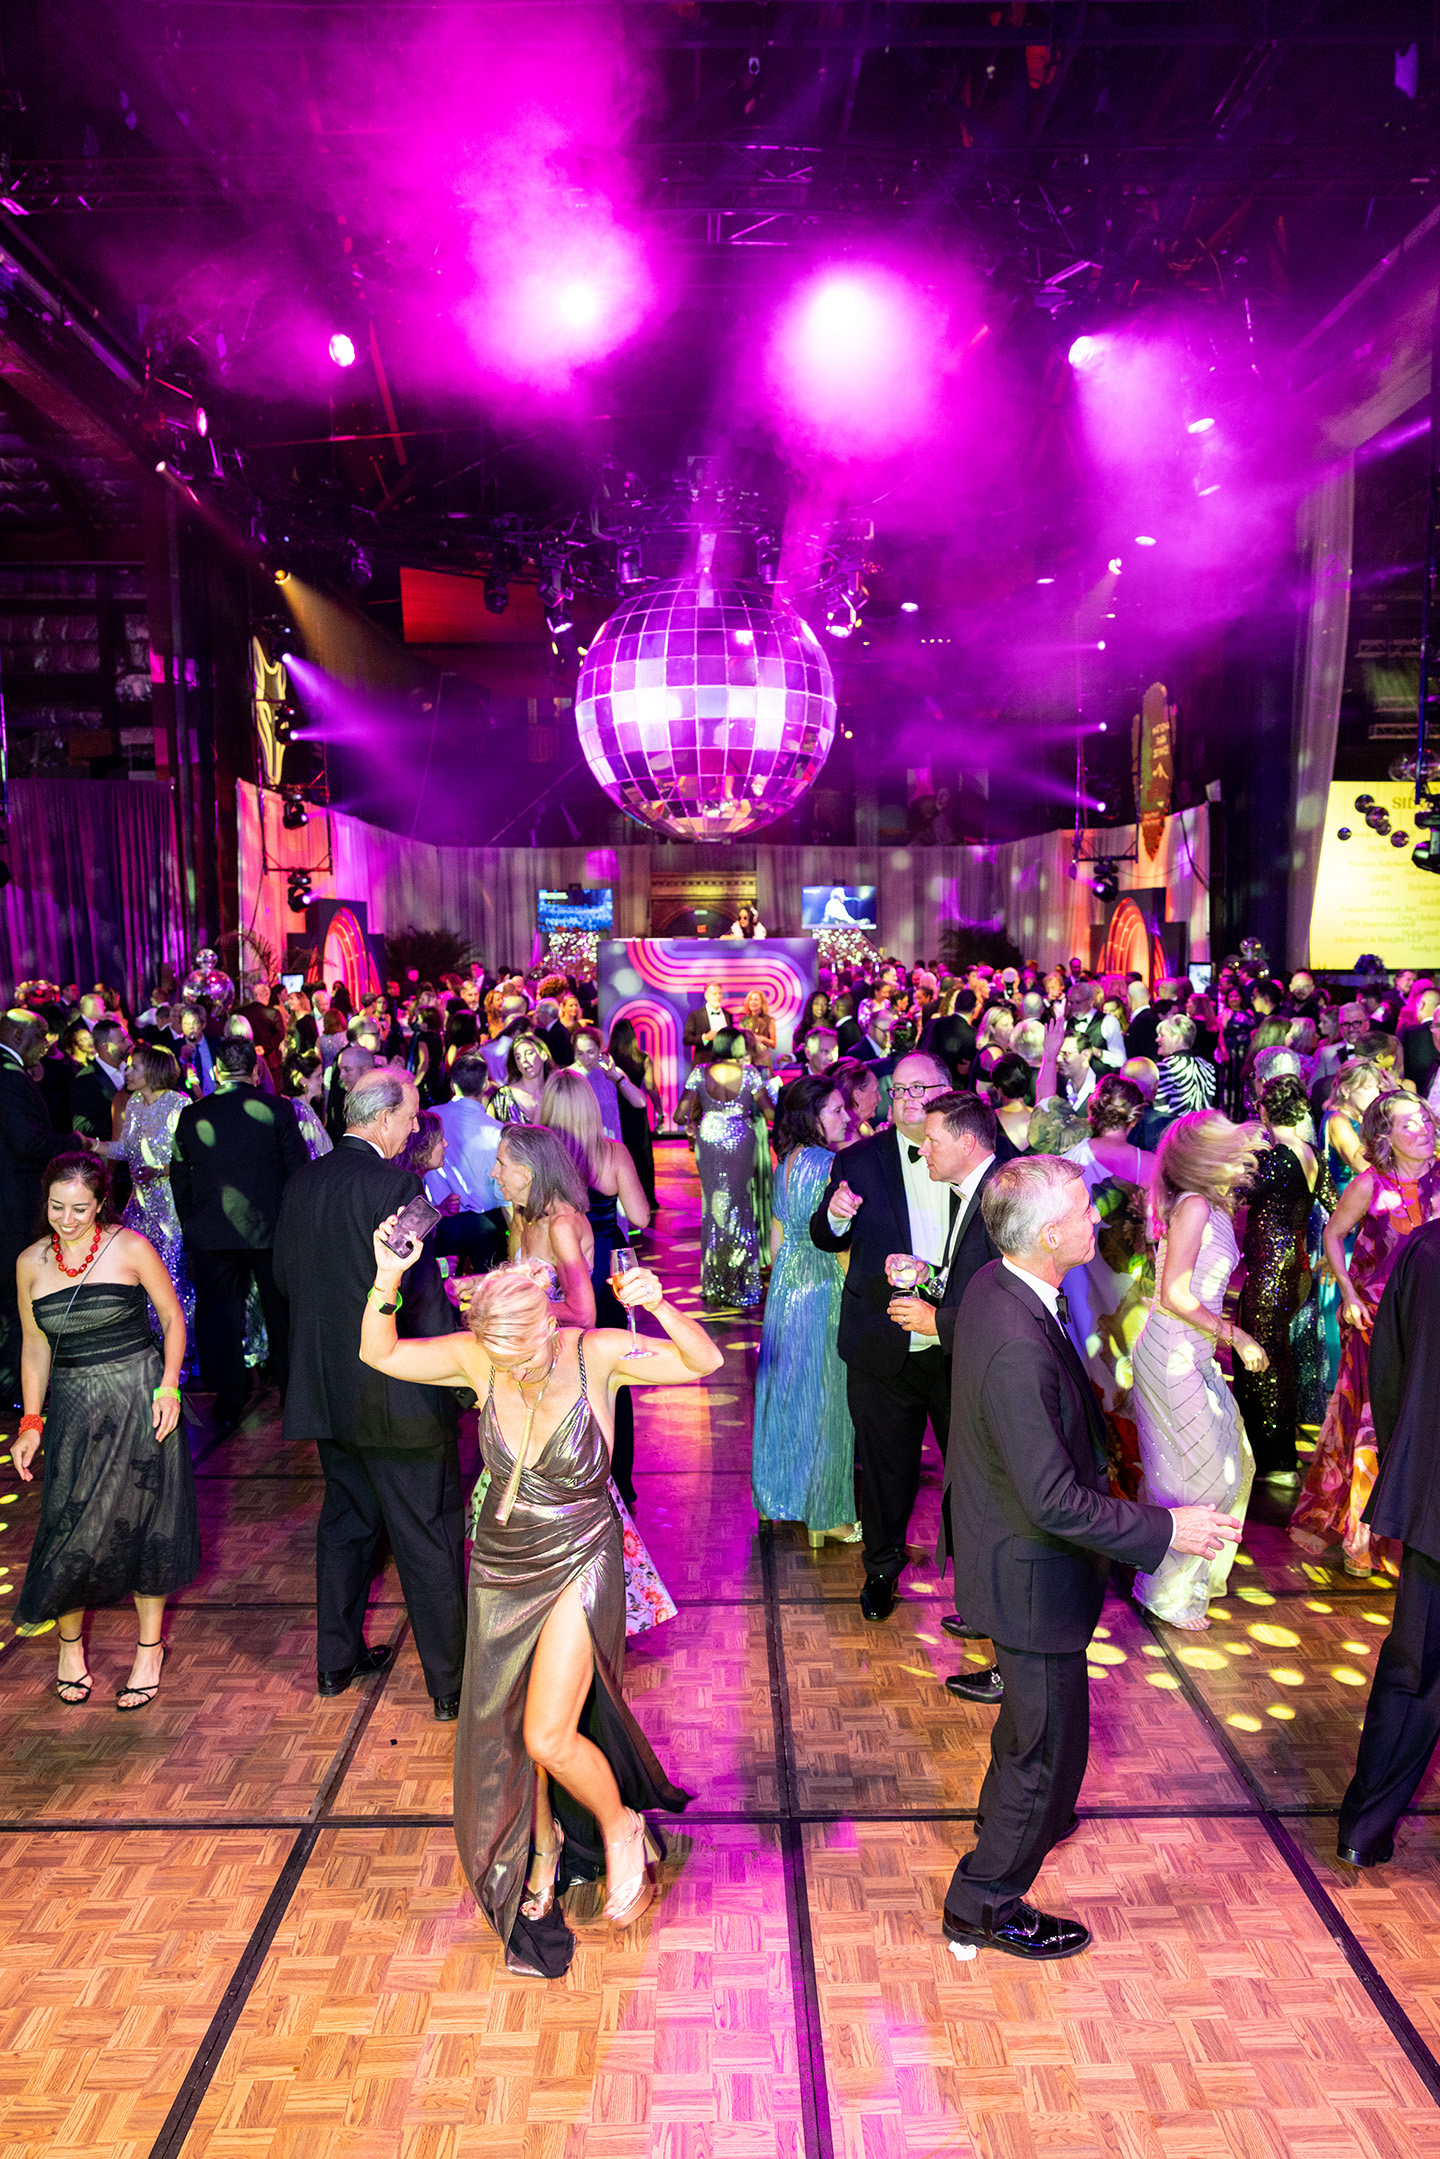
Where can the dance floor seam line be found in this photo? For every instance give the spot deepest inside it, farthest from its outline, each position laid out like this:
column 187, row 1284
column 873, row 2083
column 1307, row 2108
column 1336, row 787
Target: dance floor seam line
column 1386, row 2005
column 809, row 2028
column 210, row 2052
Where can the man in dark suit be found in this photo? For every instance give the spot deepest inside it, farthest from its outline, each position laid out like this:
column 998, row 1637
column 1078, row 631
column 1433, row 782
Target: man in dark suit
column 387, row 1447
column 951, row 1037
column 93, row 1090
column 704, row 1023
column 881, row 1200
column 1035, row 1530
column 27, row 1143
column 1402, row 1718
column 233, row 1154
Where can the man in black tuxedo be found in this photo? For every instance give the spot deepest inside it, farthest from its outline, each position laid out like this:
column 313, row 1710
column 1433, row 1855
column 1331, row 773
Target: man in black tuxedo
column 1402, row 1718
column 27, row 1143
column 1035, row 1531
column 93, row 1090
column 705, row 1022
column 233, row 1154
column 387, row 1447
column 880, row 1200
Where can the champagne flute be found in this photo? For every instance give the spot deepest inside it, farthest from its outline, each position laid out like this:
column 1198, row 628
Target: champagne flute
column 623, row 1262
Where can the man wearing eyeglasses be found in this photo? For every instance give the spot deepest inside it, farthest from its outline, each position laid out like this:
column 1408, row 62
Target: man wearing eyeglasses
column 881, row 1199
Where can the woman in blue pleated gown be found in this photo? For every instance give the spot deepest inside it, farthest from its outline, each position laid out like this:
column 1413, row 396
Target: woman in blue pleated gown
column 803, row 1467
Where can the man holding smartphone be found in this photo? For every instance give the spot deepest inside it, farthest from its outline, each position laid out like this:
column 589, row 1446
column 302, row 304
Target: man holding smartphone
column 387, row 1447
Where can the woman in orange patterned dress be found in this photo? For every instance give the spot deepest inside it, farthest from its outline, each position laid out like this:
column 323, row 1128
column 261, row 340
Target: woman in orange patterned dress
column 1399, row 1191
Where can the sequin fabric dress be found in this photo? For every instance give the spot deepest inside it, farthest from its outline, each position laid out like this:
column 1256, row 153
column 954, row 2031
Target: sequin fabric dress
column 1344, row 1465
column 117, row 1509
column 1277, row 1285
column 146, row 1139
column 1192, row 1441
column 726, row 1154
column 803, row 1462
column 563, row 1528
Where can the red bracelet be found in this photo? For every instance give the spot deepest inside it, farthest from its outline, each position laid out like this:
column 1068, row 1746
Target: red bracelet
column 31, row 1424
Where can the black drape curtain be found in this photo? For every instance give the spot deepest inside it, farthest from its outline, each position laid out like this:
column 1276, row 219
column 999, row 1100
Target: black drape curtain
column 94, row 894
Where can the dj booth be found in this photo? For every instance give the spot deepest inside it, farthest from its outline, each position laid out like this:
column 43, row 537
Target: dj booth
column 655, row 982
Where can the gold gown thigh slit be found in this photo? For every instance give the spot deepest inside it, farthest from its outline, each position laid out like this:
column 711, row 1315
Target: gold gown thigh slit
column 563, row 1528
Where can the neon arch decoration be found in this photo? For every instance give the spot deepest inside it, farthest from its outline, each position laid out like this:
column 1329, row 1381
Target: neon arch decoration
column 654, row 982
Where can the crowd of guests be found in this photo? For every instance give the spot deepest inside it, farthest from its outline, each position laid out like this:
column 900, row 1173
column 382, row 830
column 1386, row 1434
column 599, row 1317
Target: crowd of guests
column 215, row 1189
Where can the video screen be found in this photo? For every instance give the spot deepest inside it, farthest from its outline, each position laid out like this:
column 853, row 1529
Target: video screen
column 579, row 907
column 838, row 907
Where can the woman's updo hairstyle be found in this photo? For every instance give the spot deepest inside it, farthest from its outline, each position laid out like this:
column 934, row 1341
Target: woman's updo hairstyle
column 508, row 1309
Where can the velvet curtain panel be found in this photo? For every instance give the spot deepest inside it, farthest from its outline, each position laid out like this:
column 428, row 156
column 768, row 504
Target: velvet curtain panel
column 95, row 895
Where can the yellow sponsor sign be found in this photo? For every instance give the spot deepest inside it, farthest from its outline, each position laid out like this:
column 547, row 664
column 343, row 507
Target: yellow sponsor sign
column 1369, row 896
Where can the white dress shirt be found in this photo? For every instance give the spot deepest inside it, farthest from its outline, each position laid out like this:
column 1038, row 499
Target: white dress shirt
column 929, row 1205
column 115, row 1075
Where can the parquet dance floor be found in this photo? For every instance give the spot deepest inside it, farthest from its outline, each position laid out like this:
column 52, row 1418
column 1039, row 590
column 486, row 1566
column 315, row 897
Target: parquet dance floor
column 235, row 1925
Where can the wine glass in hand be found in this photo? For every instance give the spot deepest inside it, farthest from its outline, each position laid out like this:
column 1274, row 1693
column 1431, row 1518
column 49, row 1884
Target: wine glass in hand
column 623, row 1262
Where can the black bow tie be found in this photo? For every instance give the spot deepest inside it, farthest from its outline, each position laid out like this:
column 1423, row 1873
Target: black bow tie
column 915, row 1154
column 1062, row 1308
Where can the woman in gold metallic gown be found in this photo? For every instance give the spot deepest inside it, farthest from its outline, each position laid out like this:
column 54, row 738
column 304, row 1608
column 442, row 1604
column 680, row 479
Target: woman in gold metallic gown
column 548, row 1759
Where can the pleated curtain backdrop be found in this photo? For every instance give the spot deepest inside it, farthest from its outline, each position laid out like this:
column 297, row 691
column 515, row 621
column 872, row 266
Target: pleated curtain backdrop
column 95, row 891
column 1325, row 529
column 489, row 895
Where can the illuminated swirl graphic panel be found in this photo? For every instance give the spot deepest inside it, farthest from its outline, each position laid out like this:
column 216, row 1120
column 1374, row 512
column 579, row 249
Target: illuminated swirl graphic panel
column 655, row 982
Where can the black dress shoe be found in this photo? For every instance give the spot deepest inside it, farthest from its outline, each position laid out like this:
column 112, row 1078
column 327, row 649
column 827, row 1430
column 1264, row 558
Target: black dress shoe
column 447, row 1707
column 369, row 1660
column 1036, row 1936
column 986, row 1686
column 951, row 1623
column 1350, row 1857
column 877, row 1598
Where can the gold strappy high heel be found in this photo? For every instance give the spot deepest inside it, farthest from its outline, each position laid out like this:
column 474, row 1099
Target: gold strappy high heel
column 631, row 1893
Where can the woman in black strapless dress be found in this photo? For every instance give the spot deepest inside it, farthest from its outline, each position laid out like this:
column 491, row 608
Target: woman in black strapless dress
column 117, row 1516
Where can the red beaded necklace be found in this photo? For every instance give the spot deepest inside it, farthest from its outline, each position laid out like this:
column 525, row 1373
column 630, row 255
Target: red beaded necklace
column 72, row 1272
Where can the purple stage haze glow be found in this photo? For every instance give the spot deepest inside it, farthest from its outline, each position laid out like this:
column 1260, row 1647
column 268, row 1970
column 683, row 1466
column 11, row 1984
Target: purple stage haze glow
column 342, row 349
column 854, row 362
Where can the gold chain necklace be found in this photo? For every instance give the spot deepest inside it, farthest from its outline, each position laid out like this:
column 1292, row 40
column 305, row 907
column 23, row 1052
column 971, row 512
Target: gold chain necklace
column 512, row 1486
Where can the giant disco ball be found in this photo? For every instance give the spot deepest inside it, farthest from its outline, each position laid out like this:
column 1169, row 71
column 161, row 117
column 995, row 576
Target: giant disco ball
column 705, row 710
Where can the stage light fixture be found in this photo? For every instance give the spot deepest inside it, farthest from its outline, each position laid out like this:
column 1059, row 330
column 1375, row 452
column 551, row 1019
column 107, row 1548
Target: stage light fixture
column 1427, row 857
column 162, row 466
column 629, row 567
column 1145, row 539
column 497, row 590
column 200, row 421
column 1106, row 881
column 1085, row 352
column 1044, row 580
column 1116, row 565
column 909, row 607
column 341, row 349
column 294, row 814
column 1200, row 427
column 299, row 891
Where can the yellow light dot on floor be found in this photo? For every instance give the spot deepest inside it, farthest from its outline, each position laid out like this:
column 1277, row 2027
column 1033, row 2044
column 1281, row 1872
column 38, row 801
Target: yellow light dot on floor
column 1202, row 1660
column 1166, row 1681
column 1255, row 1596
column 1282, row 1711
column 8, row 1499
column 1356, row 1649
column 1273, row 1637
column 1311, row 1606
column 1316, row 1574
column 1348, row 1676
column 1287, row 1675
column 1106, row 1653
column 1378, row 1619
column 1096, row 1671
column 1243, row 1559
column 35, row 1626
column 1102, row 1634
column 1245, row 1724
column 1152, row 1649
column 1238, row 1649
column 6, row 1588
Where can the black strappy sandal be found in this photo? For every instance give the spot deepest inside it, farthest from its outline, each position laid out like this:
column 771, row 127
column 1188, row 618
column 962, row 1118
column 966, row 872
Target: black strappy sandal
column 146, row 1694
column 85, row 1682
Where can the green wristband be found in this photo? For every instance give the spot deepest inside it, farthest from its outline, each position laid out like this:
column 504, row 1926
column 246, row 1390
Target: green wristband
column 173, row 1392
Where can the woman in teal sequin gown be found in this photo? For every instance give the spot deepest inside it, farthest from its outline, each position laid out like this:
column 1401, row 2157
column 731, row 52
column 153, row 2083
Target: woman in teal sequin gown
column 803, row 1467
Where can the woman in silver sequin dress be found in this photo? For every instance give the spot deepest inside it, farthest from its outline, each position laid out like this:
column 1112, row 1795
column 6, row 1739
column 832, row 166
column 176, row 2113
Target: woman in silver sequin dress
column 147, row 1134
column 1192, row 1440
column 725, row 1102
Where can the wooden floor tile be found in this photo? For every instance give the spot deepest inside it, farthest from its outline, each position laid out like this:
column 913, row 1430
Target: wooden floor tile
column 385, row 2013
column 117, row 1948
column 1204, row 2019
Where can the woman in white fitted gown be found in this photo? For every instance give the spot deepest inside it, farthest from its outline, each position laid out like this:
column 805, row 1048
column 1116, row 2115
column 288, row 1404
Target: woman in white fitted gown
column 1192, row 1440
